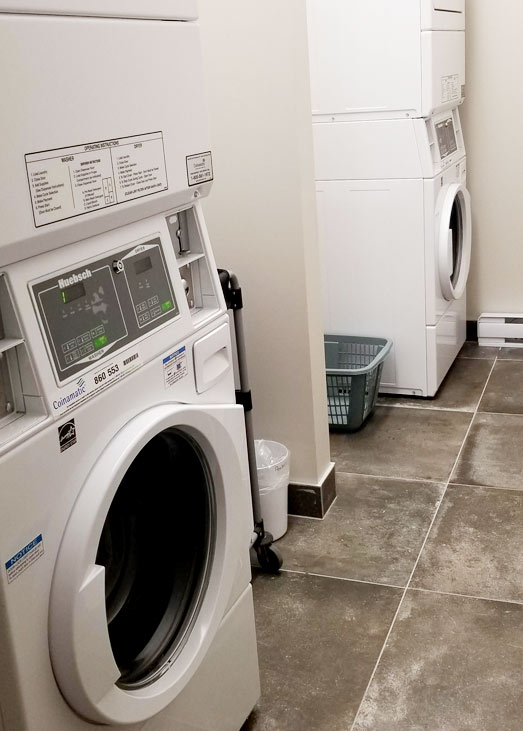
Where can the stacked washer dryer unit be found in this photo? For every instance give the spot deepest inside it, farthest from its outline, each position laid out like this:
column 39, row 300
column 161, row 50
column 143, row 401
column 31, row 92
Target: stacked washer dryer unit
column 387, row 80
column 125, row 518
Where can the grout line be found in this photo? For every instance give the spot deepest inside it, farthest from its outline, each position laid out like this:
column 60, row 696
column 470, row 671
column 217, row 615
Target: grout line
column 341, row 578
column 485, row 487
column 500, row 413
column 394, row 477
column 436, row 512
column 467, row 596
column 426, row 408
column 472, row 357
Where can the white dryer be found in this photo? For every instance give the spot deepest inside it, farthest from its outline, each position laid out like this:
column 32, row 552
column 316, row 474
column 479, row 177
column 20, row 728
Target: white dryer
column 125, row 594
column 395, row 232
column 380, row 59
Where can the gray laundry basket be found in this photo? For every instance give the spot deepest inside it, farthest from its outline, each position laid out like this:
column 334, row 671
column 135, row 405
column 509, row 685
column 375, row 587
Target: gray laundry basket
column 353, row 369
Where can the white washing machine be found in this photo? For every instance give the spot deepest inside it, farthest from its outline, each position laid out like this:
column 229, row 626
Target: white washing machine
column 395, row 232
column 126, row 512
column 380, row 59
column 125, row 518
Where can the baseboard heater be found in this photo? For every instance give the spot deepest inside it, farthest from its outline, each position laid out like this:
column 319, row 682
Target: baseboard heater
column 500, row 329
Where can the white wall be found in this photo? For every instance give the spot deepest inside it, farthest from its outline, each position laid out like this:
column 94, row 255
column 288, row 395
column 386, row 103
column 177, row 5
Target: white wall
column 493, row 124
column 261, row 213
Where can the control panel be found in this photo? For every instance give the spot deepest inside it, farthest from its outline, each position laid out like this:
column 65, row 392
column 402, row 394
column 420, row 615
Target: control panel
column 446, row 136
column 103, row 305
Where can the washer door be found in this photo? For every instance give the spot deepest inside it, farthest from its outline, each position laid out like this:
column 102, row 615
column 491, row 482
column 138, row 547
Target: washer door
column 455, row 241
column 147, row 561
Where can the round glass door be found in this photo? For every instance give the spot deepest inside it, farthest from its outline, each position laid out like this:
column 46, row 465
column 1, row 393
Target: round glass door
column 147, row 562
column 455, row 241
column 156, row 547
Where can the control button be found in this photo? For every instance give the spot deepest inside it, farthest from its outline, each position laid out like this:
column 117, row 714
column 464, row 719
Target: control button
column 141, row 307
column 89, row 347
column 71, row 345
column 93, row 333
column 100, row 341
column 83, row 350
column 152, row 301
column 68, row 358
column 157, row 311
column 65, row 348
column 75, row 354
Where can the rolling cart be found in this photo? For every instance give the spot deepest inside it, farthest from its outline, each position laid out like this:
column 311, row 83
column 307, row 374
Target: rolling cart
column 267, row 555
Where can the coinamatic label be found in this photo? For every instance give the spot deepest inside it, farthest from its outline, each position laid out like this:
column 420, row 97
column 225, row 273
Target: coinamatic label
column 92, row 384
column 72, row 181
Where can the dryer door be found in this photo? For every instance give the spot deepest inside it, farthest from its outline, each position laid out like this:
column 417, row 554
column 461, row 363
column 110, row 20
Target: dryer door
column 147, row 562
column 455, row 241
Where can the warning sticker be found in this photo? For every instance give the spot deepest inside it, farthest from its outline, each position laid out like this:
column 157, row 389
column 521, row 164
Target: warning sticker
column 199, row 168
column 91, row 384
column 175, row 367
column 24, row 558
column 450, row 88
column 72, row 181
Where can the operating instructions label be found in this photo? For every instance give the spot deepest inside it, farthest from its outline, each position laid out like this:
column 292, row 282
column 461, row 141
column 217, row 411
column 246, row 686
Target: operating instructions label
column 73, row 181
column 450, row 88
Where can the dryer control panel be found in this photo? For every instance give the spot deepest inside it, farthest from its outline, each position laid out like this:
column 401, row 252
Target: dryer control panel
column 103, row 305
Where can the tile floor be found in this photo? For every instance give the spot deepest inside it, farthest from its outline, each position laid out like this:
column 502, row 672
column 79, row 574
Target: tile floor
column 402, row 610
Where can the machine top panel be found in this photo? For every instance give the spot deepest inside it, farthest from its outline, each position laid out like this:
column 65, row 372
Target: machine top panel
column 152, row 9
column 113, row 146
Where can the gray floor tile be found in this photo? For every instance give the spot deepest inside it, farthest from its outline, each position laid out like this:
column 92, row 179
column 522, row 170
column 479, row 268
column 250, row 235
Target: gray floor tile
column 318, row 642
column 451, row 664
column 404, row 443
column 460, row 390
column 504, row 393
column 471, row 349
column 373, row 532
column 475, row 545
column 510, row 354
column 493, row 453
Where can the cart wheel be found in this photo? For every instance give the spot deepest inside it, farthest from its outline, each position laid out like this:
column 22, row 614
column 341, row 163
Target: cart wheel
column 270, row 559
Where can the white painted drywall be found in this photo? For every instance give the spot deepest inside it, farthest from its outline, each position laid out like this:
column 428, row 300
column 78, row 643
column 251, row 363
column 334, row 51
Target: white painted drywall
column 261, row 213
column 493, row 124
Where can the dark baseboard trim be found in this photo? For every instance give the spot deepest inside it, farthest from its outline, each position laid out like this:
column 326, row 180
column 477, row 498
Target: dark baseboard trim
column 313, row 501
column 472, row 329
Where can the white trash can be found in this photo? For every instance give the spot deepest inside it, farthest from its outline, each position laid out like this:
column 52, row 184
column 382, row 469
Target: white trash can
column 273, row 467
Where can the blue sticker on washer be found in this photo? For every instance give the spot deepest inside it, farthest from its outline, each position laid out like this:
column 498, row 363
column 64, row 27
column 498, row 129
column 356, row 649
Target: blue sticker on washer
column 175, row 367
column 25, row 557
